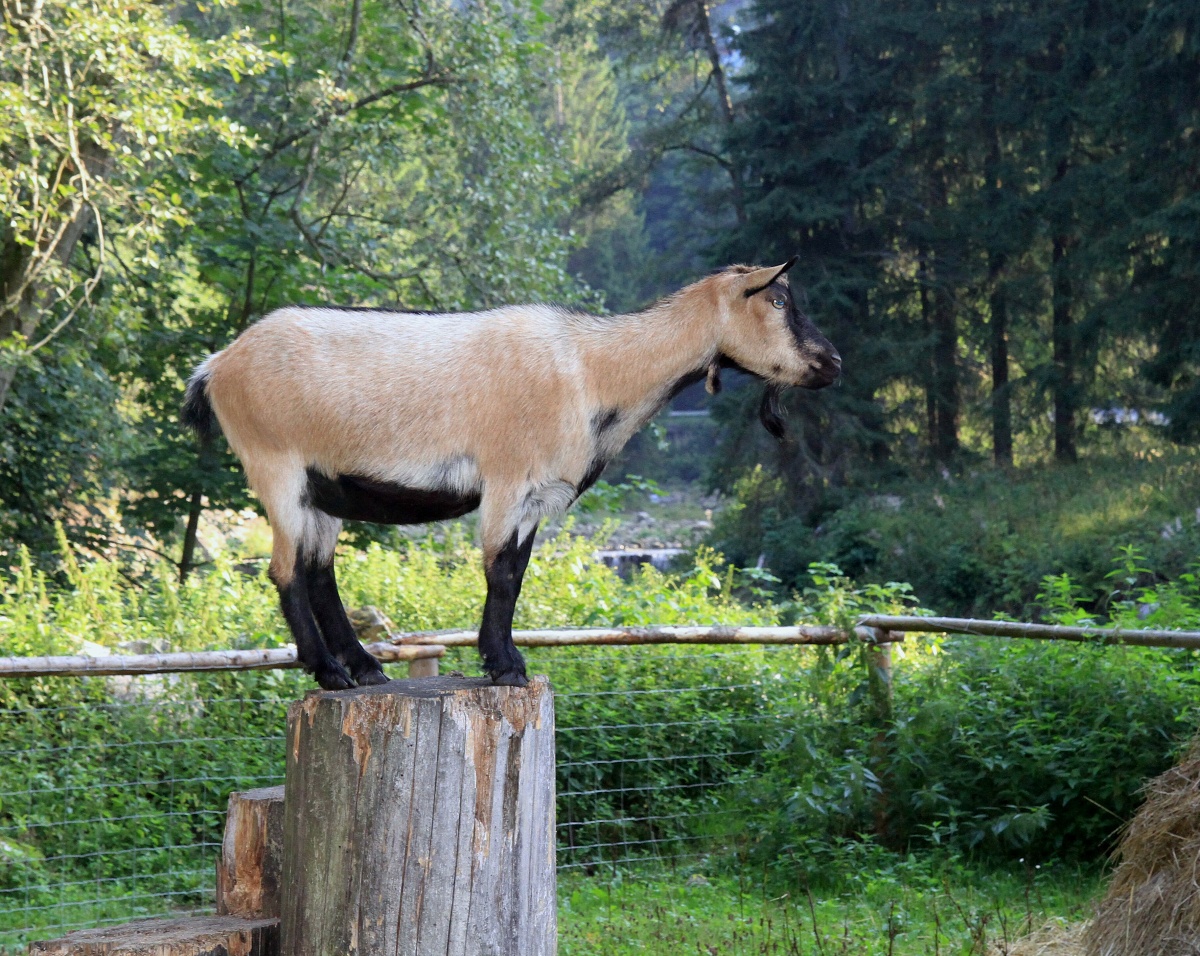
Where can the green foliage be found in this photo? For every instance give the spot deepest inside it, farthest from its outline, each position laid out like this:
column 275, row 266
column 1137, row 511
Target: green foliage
column 604, row 496
column 983, row 543
column 103, row 102
column 766, row 758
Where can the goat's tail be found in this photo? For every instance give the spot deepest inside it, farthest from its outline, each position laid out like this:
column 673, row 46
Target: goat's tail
column 197, row 413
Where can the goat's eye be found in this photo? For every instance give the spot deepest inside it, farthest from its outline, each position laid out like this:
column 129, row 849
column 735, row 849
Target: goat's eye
column 779, row 302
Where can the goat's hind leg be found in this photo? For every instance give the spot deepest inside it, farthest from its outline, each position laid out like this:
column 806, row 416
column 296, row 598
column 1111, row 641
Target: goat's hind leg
column 298, row 531
column 339, row 633
column 298, row 612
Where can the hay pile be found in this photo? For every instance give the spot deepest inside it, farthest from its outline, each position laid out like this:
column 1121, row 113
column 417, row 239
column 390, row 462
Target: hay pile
column 1152, row 907
column 1053, row 939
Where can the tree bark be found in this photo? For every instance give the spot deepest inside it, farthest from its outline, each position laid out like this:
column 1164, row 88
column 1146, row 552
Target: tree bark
column 724, row 101
column 195, row 507
column 1001, row 398
column 1063, row 335
column 945, row 371
column 1002, row 440
column 419, row 819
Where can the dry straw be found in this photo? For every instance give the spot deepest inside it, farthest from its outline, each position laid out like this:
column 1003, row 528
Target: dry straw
column 1053, row 939
column 1152, row 907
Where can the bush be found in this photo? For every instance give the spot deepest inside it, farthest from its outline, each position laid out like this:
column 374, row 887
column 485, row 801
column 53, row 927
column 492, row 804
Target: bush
column 981, row 543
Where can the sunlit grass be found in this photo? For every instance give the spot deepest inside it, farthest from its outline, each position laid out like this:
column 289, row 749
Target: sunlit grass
column 911, row 906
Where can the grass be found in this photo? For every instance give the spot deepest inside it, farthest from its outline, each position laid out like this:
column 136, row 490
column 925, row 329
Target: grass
column 910, row 906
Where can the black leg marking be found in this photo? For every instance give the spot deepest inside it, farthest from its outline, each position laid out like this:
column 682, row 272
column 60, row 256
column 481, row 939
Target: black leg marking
column 501, row 659
column 310, row 647
column 336, row 628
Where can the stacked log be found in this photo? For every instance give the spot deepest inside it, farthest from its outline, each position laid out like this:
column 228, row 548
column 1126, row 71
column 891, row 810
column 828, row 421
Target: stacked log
column 251, row 861
column 195, row 936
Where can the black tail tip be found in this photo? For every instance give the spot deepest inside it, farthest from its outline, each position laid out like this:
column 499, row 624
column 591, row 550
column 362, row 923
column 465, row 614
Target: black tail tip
column 198, row 414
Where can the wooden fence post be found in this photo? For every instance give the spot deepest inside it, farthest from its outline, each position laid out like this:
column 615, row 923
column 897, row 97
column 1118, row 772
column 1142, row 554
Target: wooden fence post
column 419, row 819
column 423, row 667
column 878, row 659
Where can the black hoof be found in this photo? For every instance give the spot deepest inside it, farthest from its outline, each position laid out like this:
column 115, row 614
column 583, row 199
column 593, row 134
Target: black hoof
column 333, row 676
column 373, row 676
column 513, row 678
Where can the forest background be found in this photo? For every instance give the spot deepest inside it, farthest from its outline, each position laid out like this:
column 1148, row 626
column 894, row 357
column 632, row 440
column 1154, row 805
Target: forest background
column 996, row 204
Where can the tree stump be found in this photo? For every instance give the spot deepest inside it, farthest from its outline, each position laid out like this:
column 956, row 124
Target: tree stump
column 251, row 860
column 198, row 936
column 419, row 819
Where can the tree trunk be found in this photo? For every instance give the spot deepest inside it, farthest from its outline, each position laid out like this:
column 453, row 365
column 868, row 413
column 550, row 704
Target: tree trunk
column 196, row 936
column 1002, row 440
column 16, row 261
column 1063, row 383
column 195, row 507
column 945, row 370
column 419, row 819
column 724, row 101
column 927, row 358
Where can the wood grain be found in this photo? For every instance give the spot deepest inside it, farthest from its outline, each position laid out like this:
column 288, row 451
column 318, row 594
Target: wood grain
column 195, row 936
column 250, row 866
column 419, row 820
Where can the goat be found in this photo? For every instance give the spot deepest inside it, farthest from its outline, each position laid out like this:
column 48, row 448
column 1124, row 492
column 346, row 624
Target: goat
column 404, row 418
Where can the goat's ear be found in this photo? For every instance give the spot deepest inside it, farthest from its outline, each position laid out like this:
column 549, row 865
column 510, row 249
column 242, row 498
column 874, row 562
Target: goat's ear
column 759, row 279
column 770, row 412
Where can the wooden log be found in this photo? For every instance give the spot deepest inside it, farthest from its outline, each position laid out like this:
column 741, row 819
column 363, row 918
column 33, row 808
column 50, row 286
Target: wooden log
column 1138, row 637
column 195, row 936
column 419, row 820
column 806, row 634
column 250, row 866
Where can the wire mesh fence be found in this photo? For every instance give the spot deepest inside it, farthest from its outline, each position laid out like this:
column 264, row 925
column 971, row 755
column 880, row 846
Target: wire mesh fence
column 113, row 789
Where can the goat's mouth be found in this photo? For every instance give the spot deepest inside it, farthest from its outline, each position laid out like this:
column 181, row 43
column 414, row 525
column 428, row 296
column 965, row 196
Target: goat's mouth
column 822, row 372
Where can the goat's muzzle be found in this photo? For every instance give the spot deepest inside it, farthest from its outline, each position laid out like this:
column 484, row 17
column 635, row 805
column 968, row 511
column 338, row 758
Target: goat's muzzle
column 825, row 369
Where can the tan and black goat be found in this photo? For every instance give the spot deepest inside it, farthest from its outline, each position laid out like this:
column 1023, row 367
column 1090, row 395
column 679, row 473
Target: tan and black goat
column 403, row 418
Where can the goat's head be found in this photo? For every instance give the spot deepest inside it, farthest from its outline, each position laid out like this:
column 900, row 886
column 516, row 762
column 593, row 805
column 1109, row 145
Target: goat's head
column 767, row 333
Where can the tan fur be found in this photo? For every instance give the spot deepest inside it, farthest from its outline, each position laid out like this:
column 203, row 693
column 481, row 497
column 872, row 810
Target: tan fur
column 509, row 394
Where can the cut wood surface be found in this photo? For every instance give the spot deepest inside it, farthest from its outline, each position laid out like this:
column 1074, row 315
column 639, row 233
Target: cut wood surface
column 245, row 660
column 194, row 936
column 419, row 819
column 251, row 862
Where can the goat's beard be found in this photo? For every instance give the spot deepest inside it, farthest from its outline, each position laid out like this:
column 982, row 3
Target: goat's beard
column 770, row 411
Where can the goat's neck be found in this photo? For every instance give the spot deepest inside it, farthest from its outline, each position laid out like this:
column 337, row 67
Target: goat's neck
column 633, row 362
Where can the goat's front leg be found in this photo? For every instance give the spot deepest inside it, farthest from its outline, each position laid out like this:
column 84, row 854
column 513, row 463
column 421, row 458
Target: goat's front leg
column 504, row 571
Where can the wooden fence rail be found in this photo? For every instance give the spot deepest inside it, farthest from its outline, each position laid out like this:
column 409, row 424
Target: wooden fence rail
column 246, row 660
column 421, row 649
column 1037, row 632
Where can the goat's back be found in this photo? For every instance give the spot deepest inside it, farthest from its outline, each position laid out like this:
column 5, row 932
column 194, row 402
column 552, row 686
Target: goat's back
column 352, row 390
